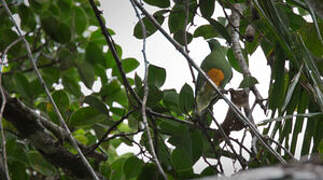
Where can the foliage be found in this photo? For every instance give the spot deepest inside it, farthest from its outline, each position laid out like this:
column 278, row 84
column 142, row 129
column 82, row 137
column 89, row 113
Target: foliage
column 67, row 42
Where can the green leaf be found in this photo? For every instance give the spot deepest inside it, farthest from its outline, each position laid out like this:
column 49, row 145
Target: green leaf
column 320, row 150
column 291, row 88
column 158, row 3
column 28, row 21
column 51, row 75
column 61, row 99
column 85, row 117
column 176, row 20
column 128, row 65
column 113, row 92
column 181, row 160
column 207, row 31
column 39, row 164
column 148, row 172
column 86, row 72
column 179, row 37
column 248, row 82
column 57, row 30
column 110, row 61
column 197, row 145
column 95, row 102
column 171, row 99
column 207, row 8
column 65, row 6
column 220, row 29
column 98, row 38
column 138, row 82
column 94, row 54
column 70, row 82
column 154, row 95
column 233, row 61
column 80, row 20
column 186, row 99
column 132, row 167
column 156, row 75
column 298, row 126
column 22, row 85
column 150, row 28
column 311, row 39
column 277, row 89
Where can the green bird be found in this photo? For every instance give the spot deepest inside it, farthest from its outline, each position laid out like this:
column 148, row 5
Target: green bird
column 216, row 66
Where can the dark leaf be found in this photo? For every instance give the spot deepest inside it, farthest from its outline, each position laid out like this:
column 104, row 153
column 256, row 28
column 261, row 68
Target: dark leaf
column 156, row 75
column 248, row 82
column 158, row 3
column 150, row 28
column 132, row 167
column 186, row 99
column 97, row 103
column 220, row 29
column 207, row 31
column 85, row 117
column 207, row 8
column 179, row 37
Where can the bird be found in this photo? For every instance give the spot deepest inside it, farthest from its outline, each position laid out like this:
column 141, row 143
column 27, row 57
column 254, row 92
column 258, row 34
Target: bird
column 219, row 70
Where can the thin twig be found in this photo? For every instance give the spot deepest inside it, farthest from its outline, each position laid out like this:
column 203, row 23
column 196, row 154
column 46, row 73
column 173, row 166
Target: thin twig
column 112, row 47
column 113, row 127
column 281, row 146
column 31, row 69
column 212, row 166
column 60, row 117
column 241, row 145
column 3, row 105
column 187, row 11
column 227, row 140
column 146, row 92
column 240, row 115
column 26, row 55
column 242, row 139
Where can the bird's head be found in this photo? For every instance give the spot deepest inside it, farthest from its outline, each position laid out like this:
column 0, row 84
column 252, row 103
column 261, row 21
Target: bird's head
column 213, row 44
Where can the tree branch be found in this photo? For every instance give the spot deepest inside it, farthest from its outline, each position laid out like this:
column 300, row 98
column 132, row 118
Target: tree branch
column 30, row 125
column 191, row 61
column 41, row 80
column 146, row 92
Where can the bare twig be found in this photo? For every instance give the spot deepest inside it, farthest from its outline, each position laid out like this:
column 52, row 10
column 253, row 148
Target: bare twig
column 113, row 127
column 280, row 146
column 240, row 115
column 146, row 92
column 3, row 105
column 227, row 140
column 31, row 69
column 111, row 45
column 241, row 146
column 60, row 117
column 26, row 55
column 187, row 12
column 212, row 166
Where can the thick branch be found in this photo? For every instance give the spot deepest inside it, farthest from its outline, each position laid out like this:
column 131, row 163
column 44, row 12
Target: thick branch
column 28, row 124
column 237, row 51
column 49, row 96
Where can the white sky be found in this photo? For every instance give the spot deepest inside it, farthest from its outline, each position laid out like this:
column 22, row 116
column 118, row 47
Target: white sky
column 120, row 17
